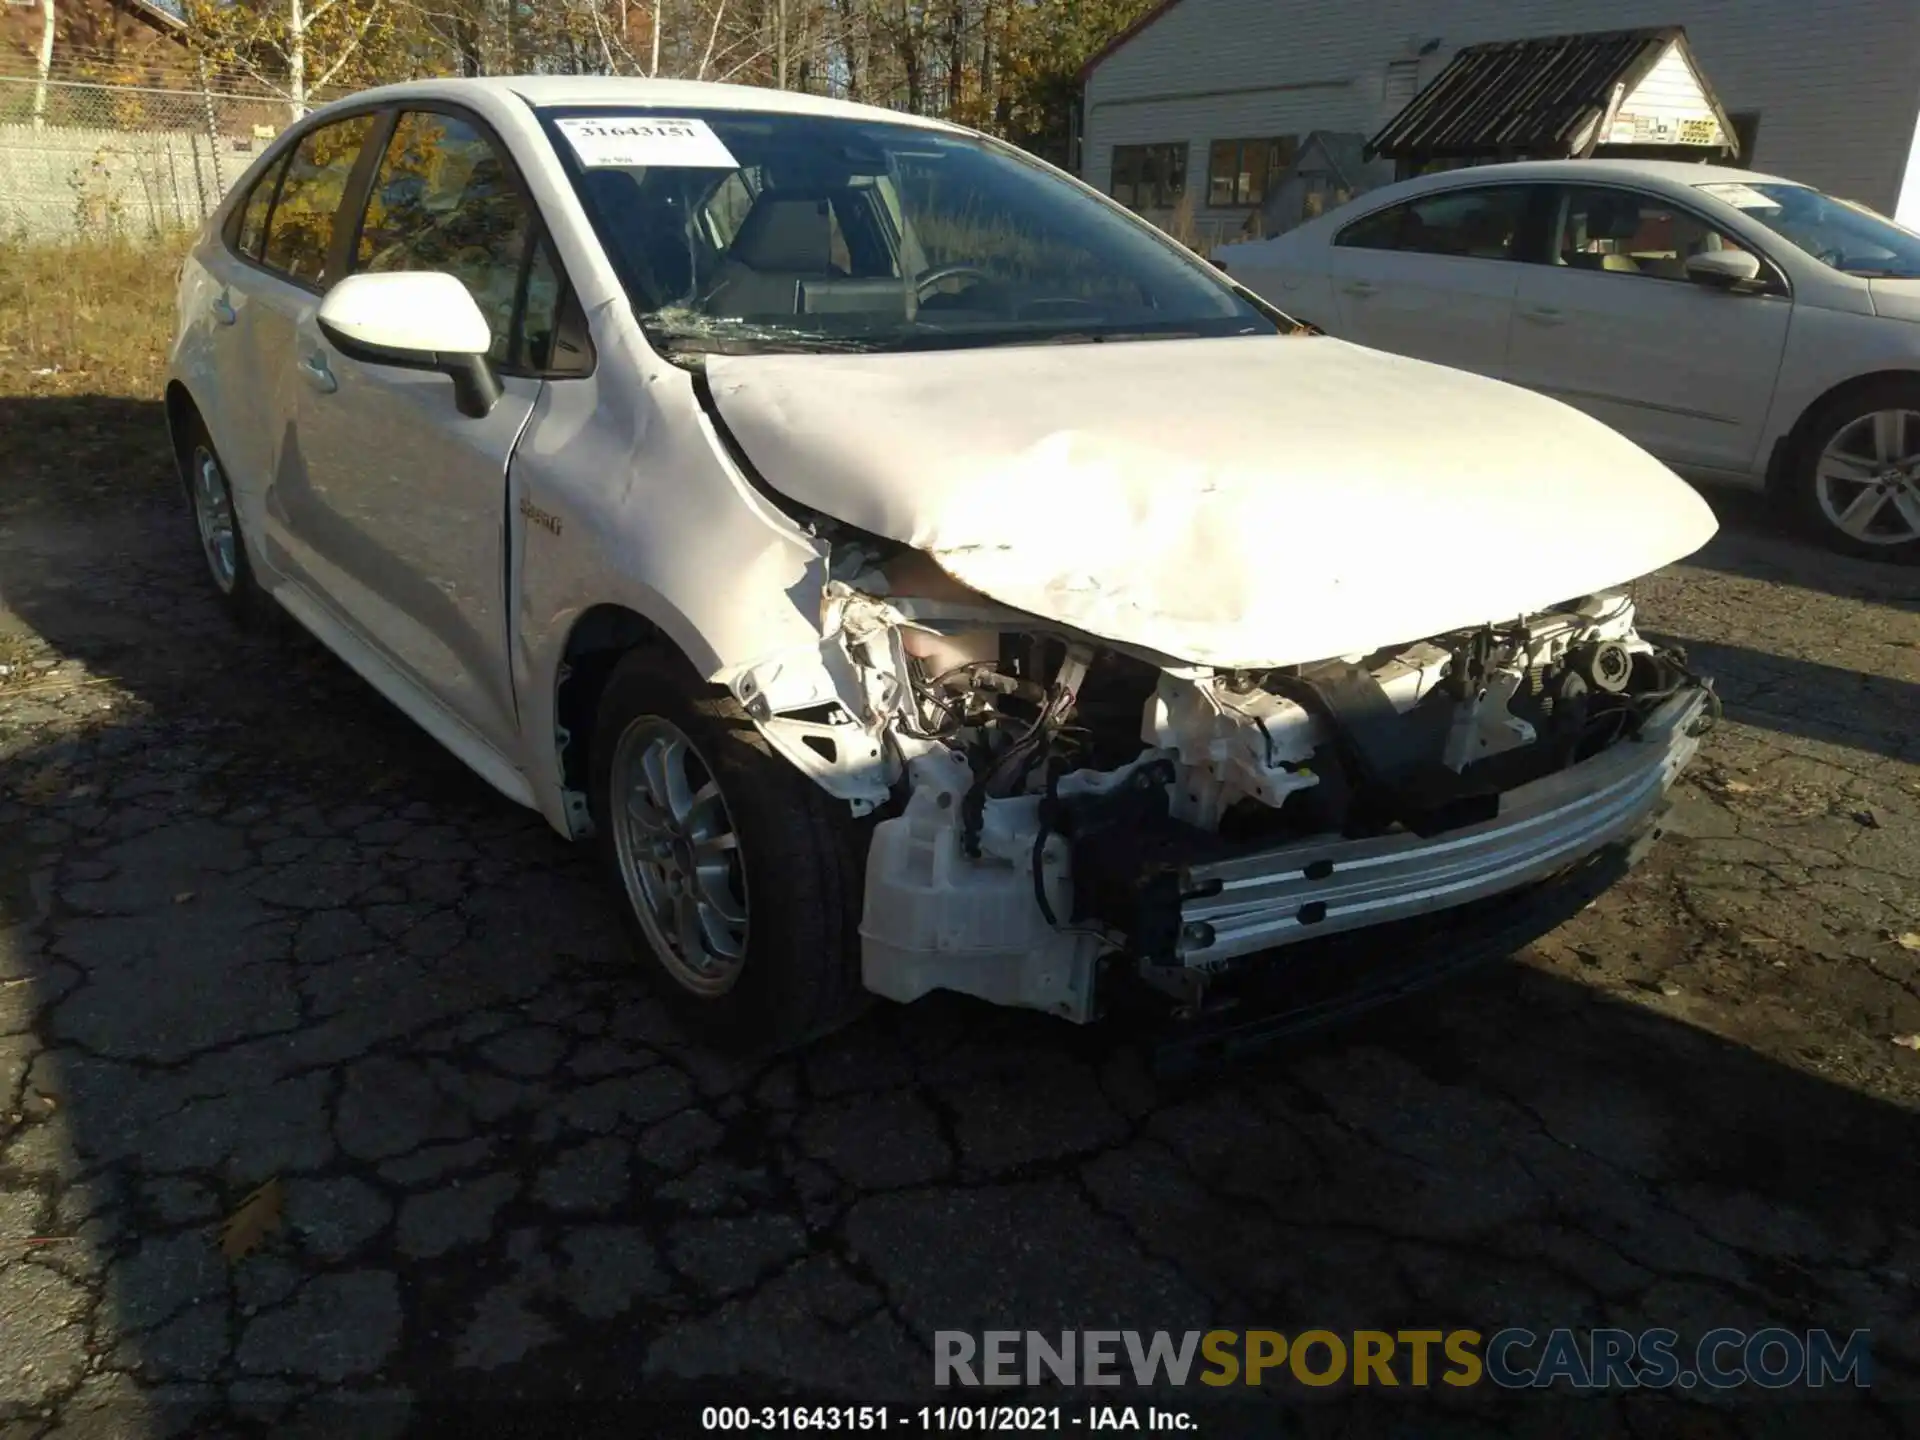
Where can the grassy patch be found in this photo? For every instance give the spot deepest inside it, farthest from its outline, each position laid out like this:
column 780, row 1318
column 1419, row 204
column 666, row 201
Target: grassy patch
column 97, row 314
column 84, row 328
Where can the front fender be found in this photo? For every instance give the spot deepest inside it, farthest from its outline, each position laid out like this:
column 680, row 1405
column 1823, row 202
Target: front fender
column 621, row 494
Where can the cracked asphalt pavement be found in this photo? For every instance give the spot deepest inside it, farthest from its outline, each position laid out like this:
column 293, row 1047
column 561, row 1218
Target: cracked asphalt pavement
column 254, row 928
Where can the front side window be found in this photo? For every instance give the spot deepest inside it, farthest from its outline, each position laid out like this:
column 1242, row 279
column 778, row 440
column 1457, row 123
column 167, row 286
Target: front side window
column 1482, row 224
column 300, row 231
column 443, row 199
column 1629, row 233
column 1149, row 177
column 755, row 232
column 1841, row 234
column 1241, row 172
column 543, row 344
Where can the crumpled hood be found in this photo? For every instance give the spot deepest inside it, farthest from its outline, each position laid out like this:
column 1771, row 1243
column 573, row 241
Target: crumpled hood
column 1241, row 503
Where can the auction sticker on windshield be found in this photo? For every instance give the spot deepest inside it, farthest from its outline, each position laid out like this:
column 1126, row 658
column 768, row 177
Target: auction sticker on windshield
column 1742, row 197
column 622, row 142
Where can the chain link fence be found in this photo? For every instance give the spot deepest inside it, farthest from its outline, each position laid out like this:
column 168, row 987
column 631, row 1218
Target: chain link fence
column 81, row 158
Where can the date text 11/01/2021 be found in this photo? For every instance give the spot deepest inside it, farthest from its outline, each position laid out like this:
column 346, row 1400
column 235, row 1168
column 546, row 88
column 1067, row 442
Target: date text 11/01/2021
column 1038, row 1419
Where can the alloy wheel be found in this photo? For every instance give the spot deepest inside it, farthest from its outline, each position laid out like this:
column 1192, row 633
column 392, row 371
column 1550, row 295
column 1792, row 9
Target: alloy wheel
column 1867, row 481
column 213, row 513
column 679, row 856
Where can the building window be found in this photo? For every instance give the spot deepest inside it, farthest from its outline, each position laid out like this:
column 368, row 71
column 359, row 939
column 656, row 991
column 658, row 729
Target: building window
column 1240, row 172
column 1150, row 177
column 1746, row 129
column 1403, row 82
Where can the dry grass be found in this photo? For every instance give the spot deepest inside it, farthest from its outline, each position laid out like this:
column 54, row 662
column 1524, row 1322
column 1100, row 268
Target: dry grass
column 83, row 337
column 93, row 315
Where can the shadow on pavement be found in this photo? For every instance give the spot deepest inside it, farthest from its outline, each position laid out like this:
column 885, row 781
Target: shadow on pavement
column 1756, row 542
column 1874, row 713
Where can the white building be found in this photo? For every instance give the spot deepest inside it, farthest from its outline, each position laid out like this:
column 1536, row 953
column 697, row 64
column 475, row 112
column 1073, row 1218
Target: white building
column 1214, row 96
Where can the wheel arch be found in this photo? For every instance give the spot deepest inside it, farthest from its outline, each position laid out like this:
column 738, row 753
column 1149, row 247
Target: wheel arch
column 182, row 410
column 1788, row 449
column 600, row 636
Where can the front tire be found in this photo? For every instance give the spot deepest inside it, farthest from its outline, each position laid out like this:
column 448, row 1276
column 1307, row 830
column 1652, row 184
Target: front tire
column 1857, row 480
column 739, row 879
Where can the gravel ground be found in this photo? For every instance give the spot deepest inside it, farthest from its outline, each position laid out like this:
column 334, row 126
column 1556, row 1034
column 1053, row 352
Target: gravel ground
column 255, row 928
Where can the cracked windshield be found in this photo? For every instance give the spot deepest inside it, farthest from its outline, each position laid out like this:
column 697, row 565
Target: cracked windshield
column 753, row 233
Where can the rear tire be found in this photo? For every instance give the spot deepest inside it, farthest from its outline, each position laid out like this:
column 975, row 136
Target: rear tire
column 739, row 879
column 1856, row 478
column 223, row 545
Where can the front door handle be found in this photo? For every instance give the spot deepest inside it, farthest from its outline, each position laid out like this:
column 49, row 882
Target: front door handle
column 223, row 310
column 314, row 367
column 1360, row 287
column 1543, row 314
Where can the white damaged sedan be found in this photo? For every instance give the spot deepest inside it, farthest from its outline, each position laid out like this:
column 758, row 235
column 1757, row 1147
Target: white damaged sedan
column 913, row 571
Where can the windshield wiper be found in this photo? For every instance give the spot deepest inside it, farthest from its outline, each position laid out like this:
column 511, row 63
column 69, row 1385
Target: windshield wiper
column 763, row 342
column 930, row 337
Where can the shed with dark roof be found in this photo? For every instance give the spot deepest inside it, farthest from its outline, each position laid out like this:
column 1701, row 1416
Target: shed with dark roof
column 1617, row 92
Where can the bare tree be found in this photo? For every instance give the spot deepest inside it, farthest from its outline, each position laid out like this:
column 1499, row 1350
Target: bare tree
column 292, row 49
column 44, row 65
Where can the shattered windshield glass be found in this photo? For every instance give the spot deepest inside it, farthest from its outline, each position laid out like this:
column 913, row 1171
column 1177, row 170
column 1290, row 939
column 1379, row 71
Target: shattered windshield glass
column 754, row 233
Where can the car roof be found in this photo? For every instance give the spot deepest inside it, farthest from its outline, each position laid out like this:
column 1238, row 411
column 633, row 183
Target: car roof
column 557, row 90
column 1674, row 172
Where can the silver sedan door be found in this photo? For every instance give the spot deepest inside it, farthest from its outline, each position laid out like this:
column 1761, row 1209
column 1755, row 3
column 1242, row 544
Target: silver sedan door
column 406, row 505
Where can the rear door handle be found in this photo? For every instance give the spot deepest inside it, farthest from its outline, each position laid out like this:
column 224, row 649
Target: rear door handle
column 314, row 367
column 1543, row 314
column 1360, row 287
column 223, row 310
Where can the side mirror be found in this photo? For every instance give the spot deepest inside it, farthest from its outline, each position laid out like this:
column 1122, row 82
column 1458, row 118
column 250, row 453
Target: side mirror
column 419, row 319
column 1725, row 269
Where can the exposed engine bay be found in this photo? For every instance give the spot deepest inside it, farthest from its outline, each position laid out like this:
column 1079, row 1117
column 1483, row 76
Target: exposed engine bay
column 1051, row 803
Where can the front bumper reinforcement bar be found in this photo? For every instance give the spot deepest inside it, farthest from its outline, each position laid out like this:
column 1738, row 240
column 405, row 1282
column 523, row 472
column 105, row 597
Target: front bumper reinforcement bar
column 1306, row 890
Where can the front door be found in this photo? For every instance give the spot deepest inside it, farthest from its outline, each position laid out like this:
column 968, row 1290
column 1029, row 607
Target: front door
column 405, row 509
column 1611, row 324
column 1434, row 277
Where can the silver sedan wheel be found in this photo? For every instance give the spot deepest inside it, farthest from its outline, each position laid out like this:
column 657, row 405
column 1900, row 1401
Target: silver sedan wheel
column 213, row 513
column 1868, row 478
column 679, row 856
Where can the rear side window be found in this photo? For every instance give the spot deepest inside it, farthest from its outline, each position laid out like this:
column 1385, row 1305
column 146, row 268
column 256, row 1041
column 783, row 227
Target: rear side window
column 253, row 219
column 443, row 199
column 1482, row 224
column 300, row 231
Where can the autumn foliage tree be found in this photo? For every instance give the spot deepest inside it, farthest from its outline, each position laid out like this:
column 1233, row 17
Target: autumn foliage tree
column 1010, row 67
column 299, row 49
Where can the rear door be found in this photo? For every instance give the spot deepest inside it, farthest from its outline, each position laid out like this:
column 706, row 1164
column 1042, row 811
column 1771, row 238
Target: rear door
column 1434, row 277
column 286, row 279
column 236, row 384
column 406, row 506
column 1611, row 324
